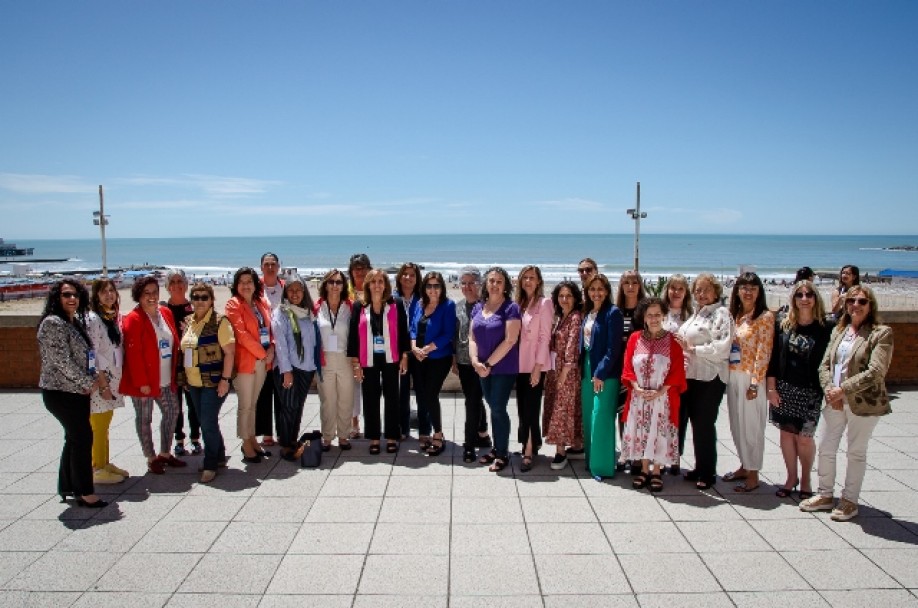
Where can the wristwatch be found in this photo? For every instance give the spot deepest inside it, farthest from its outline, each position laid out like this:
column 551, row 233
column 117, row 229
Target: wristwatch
column 487, row 364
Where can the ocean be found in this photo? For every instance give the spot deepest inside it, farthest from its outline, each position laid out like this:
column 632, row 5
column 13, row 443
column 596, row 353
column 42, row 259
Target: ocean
column 773, row 257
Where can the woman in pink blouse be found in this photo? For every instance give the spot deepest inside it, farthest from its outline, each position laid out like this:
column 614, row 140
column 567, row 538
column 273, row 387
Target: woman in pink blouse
column 535, row 337
column 750, row 354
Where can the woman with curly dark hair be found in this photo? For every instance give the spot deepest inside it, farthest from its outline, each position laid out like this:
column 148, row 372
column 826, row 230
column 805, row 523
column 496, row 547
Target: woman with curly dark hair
column 68, row 377
column 408, row 288
column 249, row 312
column 151, row 344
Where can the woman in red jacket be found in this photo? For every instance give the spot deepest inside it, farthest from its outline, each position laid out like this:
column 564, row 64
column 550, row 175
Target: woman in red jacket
column 150, row 349
column 249, row 312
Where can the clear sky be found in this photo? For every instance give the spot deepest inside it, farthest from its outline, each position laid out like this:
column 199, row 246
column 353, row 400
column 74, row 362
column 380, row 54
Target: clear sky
column 400, row 117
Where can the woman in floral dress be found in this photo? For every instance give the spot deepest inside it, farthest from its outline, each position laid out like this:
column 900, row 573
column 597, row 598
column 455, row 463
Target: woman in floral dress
column 654, row 373
column 563, row 416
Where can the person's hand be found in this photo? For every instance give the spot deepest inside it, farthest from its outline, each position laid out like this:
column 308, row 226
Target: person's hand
column 358, row 374
column 482, row 370
column 751, row 393
column 774, row 398
column 222, row 388
column 562, row 375
column 288, row 379
column 145, row 389
column 403, row 366
column 419, row 353
column 835, row 397
column 597, row 385
column 534, row 378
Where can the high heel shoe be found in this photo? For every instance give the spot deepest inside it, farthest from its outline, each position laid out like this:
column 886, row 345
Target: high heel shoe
column 250, row 459
column 785, row 491
column 92, row 505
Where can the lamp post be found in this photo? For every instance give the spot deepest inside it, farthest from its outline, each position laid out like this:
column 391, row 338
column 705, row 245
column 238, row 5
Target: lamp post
column 101, row 220
column 637, row 216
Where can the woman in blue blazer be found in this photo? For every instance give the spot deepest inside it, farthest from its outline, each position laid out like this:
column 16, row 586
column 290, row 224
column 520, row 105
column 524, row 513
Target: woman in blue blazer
column 601, row 343
column 433, row 326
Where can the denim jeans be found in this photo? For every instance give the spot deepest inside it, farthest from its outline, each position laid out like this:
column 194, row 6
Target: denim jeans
column 497, row 389
column 207, row 406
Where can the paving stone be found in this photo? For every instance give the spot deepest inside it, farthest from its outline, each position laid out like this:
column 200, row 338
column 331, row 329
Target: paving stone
column 568, row 539
column 332, row 538
column 487, row 510
column 58, row 571
column 211, row 574
column 838, row 569
column 344, row 510
column 472, row 576
column 410, row 539
column 722, row 536
column 403, row 574
column 317, row 574
column 508, row 539
column 557, row 510
column 753, row 571
column 648, row 537
column 587, row 574
column 148, row 572
column 246, row 537
column 120, row 599
column 653, row 573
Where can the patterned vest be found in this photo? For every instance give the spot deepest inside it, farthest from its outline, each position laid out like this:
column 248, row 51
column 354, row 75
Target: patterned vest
column 208, row 354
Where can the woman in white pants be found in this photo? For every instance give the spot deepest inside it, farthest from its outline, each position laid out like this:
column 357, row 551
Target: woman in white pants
column 747, row 405
column 853, row 377
column 336, row 387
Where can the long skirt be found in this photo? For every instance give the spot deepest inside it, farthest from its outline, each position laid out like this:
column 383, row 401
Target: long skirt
column 649, row 434
column 599, row 423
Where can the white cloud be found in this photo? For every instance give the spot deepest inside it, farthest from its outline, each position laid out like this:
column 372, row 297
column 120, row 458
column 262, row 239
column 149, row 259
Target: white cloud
column 26, row 183
column 216, row 186
column 573, row 205
column 162, row 204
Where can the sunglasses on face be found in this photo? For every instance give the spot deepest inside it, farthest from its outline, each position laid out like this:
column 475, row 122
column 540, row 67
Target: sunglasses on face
column 335, row 282
column 67, row 295
column 800, row 295
column 433, row 286
column 200, row 298
column 585, row 270
column 861, row 301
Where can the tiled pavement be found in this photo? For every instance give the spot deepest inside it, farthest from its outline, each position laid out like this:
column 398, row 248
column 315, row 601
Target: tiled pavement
column 410, row 530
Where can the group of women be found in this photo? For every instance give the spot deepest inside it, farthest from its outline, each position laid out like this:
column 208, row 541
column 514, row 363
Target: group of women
column 631, row 372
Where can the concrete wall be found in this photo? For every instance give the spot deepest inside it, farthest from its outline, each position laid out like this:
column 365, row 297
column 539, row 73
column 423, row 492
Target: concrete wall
column 20, row 364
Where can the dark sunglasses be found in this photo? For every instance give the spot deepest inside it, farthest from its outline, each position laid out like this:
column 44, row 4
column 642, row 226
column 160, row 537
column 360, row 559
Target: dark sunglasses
column 69, row 294
column 201, row 298
column 584, row 270
column 861, row 301
column 334, row 282
column 433, row 286
column 804, row 294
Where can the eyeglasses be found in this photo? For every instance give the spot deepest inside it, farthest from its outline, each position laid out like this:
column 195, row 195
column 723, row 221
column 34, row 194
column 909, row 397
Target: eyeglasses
column 334, row 282
column 586, row 270
column 804, row 294
column 69, row 295
column 200, row 298
column 860, row 301
column 433, row 286
column 468, row 283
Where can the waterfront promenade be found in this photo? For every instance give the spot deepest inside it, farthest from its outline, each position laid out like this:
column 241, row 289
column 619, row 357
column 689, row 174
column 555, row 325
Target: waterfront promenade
column 408, row 530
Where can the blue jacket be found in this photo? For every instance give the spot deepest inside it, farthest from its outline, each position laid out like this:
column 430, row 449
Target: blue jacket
column 605, row 343
column 441, row 327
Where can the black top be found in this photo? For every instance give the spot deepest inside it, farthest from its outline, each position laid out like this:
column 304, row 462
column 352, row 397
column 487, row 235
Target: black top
column 795, row 355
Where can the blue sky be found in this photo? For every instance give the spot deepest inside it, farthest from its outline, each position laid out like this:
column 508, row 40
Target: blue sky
column 401, row 117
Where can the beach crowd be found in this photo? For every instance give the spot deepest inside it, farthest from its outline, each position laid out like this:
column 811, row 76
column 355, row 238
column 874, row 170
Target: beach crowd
column 611, row 377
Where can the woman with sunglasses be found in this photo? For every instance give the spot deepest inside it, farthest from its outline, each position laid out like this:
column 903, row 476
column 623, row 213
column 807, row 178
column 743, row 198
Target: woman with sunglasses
column 209, row 350
column 357, row 269
column 793, row 391
column 749, row 357
column 68, row 377
column 853, row 378
column 336, row 386
column 432, row 329
column 151, row 345
column 848, row 277
column 408, row 289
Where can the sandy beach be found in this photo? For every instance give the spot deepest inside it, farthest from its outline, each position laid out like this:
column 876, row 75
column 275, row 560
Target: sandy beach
column 895, row 296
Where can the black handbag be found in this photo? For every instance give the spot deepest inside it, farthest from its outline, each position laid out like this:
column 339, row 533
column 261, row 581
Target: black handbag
column 312, row 454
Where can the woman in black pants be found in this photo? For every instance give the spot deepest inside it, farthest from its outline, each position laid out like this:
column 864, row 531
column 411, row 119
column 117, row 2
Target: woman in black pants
column 432, row 329
column 68, row 377
column 476, row 416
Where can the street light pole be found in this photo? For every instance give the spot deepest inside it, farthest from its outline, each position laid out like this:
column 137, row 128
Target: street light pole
column 637, row 216
column 101, row 220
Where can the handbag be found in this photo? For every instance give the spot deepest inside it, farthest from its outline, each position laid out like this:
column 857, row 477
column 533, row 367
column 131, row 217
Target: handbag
column 312, row 454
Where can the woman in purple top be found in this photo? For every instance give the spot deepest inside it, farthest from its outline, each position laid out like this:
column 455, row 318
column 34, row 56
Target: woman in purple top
column 494, row 352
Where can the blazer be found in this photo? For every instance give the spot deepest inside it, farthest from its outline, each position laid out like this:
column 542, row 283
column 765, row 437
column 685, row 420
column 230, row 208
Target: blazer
column 441, row 328
column 395, row 322
column 605, row 344
column 865, row 382
column 141, row 353
column 535, row 335
column 245, row 329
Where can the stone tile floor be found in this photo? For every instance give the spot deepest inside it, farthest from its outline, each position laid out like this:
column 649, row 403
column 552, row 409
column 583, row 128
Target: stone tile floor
column 407, row 529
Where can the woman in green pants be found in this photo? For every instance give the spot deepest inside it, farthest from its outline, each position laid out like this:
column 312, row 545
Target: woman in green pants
column 601, row 341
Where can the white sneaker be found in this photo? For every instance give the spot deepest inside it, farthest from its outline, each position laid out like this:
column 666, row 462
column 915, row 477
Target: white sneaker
column 106, row 477
column 844, row 511
column 817, row 503
column 559, row 462
column 111, row 468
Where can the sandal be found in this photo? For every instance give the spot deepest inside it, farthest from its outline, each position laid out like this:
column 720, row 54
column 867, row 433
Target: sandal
column 424, row 443
column 468, row 455
column 526, row 465
column 391, row 447
column 436, row 447
column 735, row 476
column 804, row 494
column 488, row 458
column 656, row 483
column 639, row 482
column 785, row 491
column 374, row 448
column 344, row 444
column 498, row 465
column 743, row 488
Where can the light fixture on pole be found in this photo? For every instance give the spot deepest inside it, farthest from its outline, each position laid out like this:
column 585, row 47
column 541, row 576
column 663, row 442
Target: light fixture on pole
column 101, row 220
column 637, row 216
